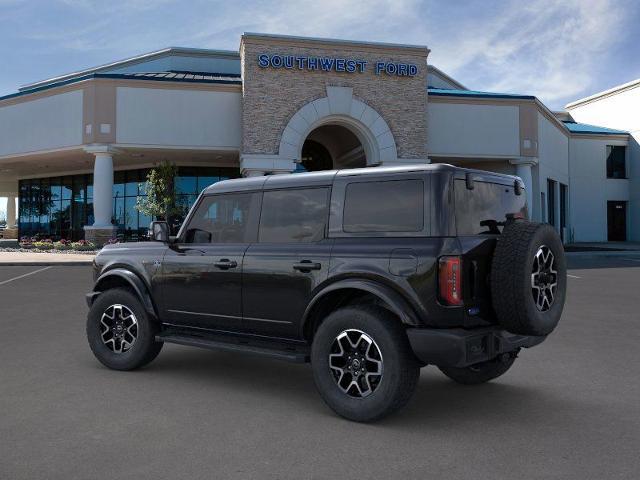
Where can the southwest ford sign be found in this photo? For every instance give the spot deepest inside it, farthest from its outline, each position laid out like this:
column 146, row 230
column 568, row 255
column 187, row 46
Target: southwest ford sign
column 334, row 64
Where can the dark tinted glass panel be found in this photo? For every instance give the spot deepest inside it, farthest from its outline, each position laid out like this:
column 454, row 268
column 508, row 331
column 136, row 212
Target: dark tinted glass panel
column 79, row 188
column 616, row 167
column 294, row 215
column 67, row 191
column 223, row 219
column 484, row 209
column 131, row 183
column 130, row 214
column 551, row 202
column 186, row 184
column 391, row 206
column 90, row 186
column 56, row 188
column 118, row 213
column 118, row 184
column 204, row 182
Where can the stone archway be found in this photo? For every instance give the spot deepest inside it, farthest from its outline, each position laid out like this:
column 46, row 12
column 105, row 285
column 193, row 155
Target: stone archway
column 340, row 108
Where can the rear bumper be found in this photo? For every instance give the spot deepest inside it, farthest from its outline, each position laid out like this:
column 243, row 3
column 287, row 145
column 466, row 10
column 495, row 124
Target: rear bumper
column 457, row 347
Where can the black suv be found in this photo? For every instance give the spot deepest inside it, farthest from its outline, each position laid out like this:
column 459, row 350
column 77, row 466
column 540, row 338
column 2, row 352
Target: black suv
column 369, row 274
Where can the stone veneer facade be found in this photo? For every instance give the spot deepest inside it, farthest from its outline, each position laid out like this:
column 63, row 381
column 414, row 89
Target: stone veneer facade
column 272, row 96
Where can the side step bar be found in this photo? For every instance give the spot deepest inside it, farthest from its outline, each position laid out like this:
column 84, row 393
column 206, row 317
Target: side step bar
column 289, row 353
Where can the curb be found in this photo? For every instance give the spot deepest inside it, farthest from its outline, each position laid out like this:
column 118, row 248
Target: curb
column 602, row 253
column 45, row 264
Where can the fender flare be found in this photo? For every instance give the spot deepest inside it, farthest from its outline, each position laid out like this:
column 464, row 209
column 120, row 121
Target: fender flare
column 397, row 304
column 136, row 283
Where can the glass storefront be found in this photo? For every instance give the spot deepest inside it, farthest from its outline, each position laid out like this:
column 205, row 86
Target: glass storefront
column 59, row 207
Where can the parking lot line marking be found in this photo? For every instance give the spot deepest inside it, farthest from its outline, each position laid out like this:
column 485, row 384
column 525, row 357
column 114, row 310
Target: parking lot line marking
column 573, row 276
column 25, row 275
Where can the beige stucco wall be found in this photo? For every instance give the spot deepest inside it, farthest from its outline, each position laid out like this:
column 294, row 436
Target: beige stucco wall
column 50, row 122
column 272, row 96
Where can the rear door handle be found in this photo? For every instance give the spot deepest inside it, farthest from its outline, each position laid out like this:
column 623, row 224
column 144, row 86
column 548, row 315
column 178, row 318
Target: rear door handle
column 225, row 264
column 306, row 266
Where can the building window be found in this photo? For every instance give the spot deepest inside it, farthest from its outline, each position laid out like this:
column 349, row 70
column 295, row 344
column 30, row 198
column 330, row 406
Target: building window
column 616, row 163
column 59, row 207
column 551, row 202
column 564, row 199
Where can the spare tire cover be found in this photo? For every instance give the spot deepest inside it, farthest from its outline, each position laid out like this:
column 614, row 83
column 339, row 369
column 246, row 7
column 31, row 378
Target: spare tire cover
column 528, row 278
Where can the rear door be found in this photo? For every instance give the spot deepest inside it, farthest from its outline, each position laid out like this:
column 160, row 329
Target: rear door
column 290, row 259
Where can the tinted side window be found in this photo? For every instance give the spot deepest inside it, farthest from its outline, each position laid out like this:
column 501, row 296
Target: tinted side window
column 390, row 206
column 223, row 219
column 294, row 215
column 484, row 208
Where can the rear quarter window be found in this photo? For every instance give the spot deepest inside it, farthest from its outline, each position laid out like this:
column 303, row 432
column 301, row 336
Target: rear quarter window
column 384, row 206
column 484, row 209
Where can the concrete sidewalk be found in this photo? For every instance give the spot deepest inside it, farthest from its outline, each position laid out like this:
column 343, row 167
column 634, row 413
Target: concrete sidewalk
column 37, row 259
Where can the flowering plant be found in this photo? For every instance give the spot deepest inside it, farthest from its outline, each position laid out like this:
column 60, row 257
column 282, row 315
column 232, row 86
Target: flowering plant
column 83, row 245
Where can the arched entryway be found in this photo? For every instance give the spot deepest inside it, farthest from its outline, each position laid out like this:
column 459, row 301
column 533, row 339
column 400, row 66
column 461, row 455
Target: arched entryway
column 337, row 131
column 330, row 147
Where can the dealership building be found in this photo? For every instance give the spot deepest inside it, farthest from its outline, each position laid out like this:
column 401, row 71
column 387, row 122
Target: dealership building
column 75, row 149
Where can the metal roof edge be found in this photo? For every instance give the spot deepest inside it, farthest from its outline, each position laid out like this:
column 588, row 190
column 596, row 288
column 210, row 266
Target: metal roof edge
column 123, row 76
column 605, row 93
column 131, row 61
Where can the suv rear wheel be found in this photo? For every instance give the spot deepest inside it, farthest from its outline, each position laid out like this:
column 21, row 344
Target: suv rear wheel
column 120, row 333
column 362, row 363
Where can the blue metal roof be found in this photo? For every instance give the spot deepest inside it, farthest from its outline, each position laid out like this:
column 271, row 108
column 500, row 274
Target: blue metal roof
column 444, row 92
column 188, row 77
column 575, row 127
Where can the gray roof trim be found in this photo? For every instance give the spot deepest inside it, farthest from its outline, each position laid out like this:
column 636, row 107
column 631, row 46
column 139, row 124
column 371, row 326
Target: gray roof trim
column 448, row 78
column 133, row 61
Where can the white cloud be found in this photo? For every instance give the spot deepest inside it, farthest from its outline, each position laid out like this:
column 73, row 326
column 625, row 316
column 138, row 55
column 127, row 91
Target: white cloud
column 548, row 48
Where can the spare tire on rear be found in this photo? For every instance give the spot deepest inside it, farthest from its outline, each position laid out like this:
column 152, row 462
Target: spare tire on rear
column 528, row 278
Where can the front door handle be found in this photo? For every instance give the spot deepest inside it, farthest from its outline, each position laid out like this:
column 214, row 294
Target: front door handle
column 225, row 264
column 306, row 266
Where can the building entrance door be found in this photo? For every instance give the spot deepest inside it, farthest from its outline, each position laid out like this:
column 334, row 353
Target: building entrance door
column 617, row 221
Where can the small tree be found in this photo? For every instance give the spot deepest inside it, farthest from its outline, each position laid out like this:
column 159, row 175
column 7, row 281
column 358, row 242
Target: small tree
column 160, row 202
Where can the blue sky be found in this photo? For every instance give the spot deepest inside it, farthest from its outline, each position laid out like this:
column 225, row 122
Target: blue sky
column 557, row 50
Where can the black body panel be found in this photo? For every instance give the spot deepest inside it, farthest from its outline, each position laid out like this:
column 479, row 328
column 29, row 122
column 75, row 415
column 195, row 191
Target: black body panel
column 273, row 292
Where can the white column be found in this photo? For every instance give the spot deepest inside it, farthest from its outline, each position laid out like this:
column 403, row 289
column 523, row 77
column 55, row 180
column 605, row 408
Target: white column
column 11, row 212
column 102, row 189
column 523, row 170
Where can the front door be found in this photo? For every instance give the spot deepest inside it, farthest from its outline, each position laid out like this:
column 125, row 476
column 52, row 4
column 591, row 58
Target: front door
column 617, row 221
column 291, row 258
column 202, row 271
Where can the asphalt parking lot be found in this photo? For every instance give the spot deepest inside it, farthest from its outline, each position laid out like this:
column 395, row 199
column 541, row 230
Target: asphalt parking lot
column 569, row 408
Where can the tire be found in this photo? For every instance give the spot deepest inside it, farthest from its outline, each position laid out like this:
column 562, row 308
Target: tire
column 113, row 352
column 378, row 332
column 481, row 372
column 523, row 249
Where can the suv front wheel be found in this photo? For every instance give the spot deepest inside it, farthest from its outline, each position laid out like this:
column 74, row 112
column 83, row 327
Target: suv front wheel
column 362, row 363
column 120, row 333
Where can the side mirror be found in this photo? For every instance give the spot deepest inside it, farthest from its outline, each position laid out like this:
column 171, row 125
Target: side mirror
column 159, row 231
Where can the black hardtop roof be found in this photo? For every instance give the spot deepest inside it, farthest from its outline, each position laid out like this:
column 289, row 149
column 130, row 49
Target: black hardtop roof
column 326, row 177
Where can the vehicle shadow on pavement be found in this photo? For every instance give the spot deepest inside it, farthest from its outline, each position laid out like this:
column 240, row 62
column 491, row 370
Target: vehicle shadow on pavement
column 437, row 401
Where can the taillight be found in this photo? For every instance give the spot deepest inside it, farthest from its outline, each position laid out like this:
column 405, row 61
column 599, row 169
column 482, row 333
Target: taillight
column 450, row 280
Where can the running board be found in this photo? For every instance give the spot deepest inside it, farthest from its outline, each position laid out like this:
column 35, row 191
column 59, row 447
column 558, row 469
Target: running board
column 288, row 353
